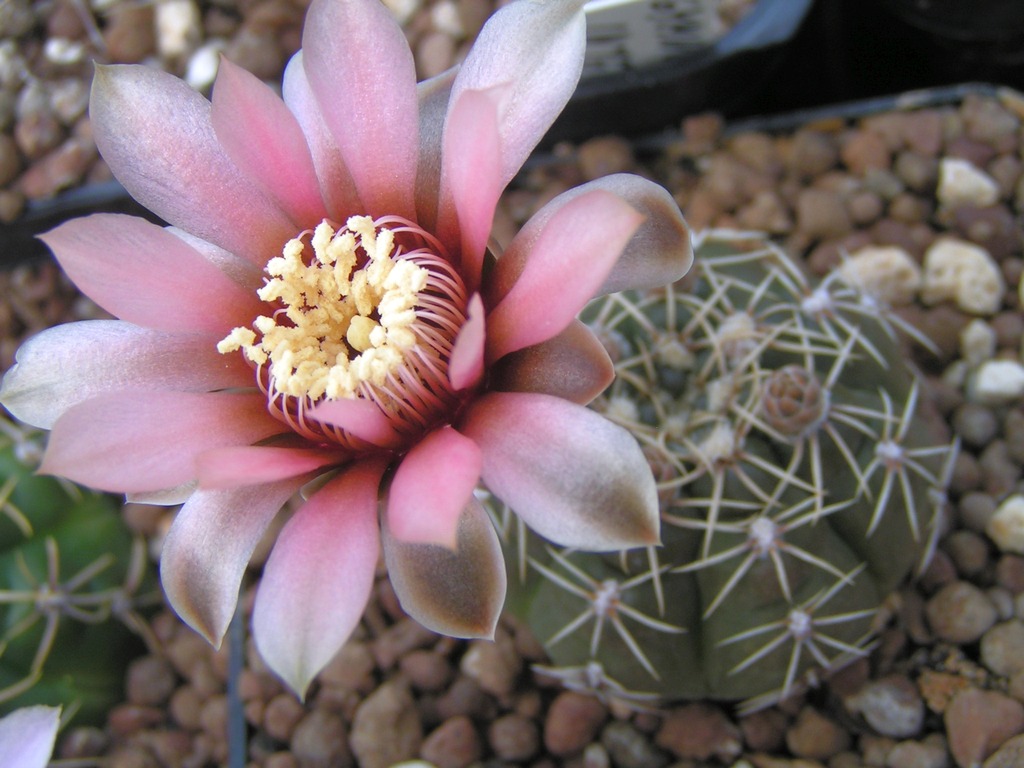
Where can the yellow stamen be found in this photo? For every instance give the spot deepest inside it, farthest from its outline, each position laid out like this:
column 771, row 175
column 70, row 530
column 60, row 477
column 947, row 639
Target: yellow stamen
column 337, row 326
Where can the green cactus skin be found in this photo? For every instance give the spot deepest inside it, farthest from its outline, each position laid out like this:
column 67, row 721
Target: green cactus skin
column 799, row 481
column 69, row 574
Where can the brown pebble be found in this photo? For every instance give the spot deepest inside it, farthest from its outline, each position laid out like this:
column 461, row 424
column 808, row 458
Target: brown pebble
column 281, row 715
column 426, row 670
column 865, row 150
column 1010, row 573
column 816, row 737
column 572, row 722
column 917, row 754
column 463, row 697
column 1009, row 755
column 698, row 732
column 605, row 155
column 126, row 719
column 764, row 730
column 453, row 744
column 130, row 33
column 960, row 613
column 514, row 737
column 400, row 638
column 352, row 668
column 319, row 741
column 975, row 510
column 978, row 722
column 821, row 214
column 185, row 706
column 386, row 728
column 495, row 665
column 969, row 552
column 37, row 132
column 150, row 681
column 812, row 153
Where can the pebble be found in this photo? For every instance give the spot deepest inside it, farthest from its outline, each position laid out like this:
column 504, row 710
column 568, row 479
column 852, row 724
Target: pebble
column 968, row 551
column 821, row 214
column 892, row 706
column 514, row 737
column 203, row 64
column 426, row 670
column 964, row 273
column 1009, row 755
column 887, row 273
column 178, row 27
column 977, row 342
column 150, row 681
column 699, row 731
column 1002, row 648
column 864, row 151
column 453, row 744
column 1006, row 527
column 319, row 741
column 130, row 32
column 978, row 722
column 629, row 748
column 816, row 737
column 281, row 715
column 960, row 613
column 961, row 183
column 917, row 754
column 495, row 665
column 975, row 424
column 572, row 722
column 996, row 382
column 386, row 728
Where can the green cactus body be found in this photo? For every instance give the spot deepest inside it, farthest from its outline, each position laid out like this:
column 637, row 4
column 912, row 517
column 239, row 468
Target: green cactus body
column 68, row 571
column 799, row 483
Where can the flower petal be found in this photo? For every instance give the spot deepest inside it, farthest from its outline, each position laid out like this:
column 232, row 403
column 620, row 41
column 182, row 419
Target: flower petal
column 319, row 576
column 68, row 364
column 433, row 95
column 208, row 547
column 239, row 465
column 570, row 474
column 573, row 365
column 148, row 441
column 457, row 592
column 336, row 185
column 466, row 365
column 27, row 736
column 362, row 73
column 471, row 177
column 142, row 273
column 565, row 264
column 538, row 48
column 359, row 417
column 154, row 132
column 431, row 486
column 263, row 138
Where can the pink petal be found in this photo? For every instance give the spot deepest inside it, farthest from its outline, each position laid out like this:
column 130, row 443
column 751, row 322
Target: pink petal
column 573, row 365
column 433, row 97
column 359, row 417
column 455, row 591
column 241, row 270
column 208, row 547
column 27, row 736
column 336, row 185
column 319, row 576
column 263, row 138
column 570, row 474
column 466, row 365
column 154, row 132
column 248, row 464
column 431, row 488
column 471, row 179
column 565, row 265
column 361, row 71
column 147, row 441
column 658, row 253
column 68, row 364
column 144, row 274
column 537, row 48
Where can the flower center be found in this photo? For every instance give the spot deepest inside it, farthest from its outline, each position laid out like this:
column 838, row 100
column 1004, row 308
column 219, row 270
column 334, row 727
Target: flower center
column 370, row 310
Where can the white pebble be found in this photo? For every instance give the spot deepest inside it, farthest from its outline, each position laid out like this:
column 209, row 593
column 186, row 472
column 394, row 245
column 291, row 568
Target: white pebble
column 445, row 18
column 961, row 183
column 996, row 382
column 1006, row 527
column 203, row 65
column 977, row 342
column 963, row 272
column 178, row 27
column 886, row 273
column 61, row 50
column 403, row 10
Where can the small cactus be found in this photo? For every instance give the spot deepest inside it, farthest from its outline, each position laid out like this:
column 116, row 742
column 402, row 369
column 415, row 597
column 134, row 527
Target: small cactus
column 800, row 482
column 68, row 568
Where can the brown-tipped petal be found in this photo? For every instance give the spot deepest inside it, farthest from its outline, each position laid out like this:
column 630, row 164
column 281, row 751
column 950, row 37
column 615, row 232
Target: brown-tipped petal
column 208, row 548
column 455, row 592
column 574, row 365
column 569, row 473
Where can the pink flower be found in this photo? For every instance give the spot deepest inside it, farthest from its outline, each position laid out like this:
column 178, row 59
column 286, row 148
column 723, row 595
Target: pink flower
column 324, row 305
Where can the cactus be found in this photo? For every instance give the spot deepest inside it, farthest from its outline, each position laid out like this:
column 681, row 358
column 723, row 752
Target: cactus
column 70, row 581
column 800, row 483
